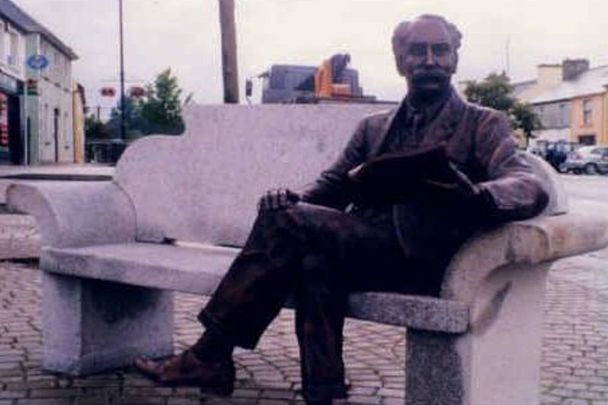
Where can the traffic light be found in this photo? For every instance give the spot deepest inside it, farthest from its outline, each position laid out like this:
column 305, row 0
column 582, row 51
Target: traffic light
column 32, row 87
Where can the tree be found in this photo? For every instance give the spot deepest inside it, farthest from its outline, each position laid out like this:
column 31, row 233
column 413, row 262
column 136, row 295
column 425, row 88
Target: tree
column 161, row 108
column 526, row 119
column 159, row 111
column 134, row 123
column 94, row 128
column 495, row 91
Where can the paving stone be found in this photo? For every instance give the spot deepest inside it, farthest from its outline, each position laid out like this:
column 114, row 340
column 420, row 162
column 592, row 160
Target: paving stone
column 54, row 393
column 45, row 401
column 12, row 394
column 134, row 400
column 183, row 401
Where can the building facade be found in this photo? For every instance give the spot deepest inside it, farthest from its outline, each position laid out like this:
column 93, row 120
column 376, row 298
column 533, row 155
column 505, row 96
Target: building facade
column 43, row 70
column 571, row 100
column 589, row 120
column 50, row 104
column 12, row 76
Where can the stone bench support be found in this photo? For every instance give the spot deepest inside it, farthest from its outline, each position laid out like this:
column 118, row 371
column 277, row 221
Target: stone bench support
column 91, row 325
column 502, row 349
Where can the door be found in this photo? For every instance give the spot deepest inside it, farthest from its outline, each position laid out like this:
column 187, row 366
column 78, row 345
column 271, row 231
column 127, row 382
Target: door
column 15, row 138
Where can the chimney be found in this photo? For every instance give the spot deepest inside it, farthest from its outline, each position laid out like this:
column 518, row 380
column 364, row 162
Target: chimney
column 549, row 74
column 572, row 68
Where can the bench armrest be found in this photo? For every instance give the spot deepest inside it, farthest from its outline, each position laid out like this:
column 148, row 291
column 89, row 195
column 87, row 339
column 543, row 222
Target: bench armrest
column 73, row 214
column 532, row 241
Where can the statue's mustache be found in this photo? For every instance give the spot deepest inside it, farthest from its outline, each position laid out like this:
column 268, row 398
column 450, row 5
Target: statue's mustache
column 428, row 76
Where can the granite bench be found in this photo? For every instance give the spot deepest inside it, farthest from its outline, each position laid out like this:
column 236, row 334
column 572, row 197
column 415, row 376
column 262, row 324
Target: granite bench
column 177, row 209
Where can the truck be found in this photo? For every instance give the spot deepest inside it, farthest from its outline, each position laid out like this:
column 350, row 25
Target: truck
column 331, row 82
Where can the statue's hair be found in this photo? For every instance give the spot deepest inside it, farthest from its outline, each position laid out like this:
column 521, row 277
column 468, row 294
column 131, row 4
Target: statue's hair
column 401, row 32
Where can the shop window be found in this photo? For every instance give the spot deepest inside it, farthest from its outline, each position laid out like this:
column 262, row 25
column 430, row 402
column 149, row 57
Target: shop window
column 3, row 122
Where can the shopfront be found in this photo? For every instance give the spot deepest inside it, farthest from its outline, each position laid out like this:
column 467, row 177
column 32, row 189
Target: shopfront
column 11, row 141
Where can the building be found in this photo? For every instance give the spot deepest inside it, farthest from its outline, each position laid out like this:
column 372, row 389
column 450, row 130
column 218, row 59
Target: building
column 571, row 100
column 45, row 90
column 12, row 77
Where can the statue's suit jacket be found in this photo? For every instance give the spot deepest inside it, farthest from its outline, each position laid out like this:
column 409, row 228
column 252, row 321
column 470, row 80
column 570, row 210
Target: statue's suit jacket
column 478, row 141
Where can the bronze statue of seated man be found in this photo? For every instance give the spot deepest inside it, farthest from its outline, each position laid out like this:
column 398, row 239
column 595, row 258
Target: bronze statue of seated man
column 330, row 240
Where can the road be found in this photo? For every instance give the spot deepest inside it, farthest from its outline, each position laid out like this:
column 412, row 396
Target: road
column 590, row 188
column 586, row 193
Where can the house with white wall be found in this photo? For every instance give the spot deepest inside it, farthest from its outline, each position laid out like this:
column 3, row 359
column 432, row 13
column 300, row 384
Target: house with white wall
column 46, row 91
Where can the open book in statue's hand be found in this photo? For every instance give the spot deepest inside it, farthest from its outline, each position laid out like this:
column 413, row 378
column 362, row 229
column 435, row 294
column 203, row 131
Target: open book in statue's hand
column 425, row 173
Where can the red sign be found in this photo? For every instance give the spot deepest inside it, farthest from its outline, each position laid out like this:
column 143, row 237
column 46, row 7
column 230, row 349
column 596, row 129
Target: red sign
column 108, row 92
column 137, row 91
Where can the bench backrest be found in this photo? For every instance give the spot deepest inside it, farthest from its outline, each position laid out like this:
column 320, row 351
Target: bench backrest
column 204, row 185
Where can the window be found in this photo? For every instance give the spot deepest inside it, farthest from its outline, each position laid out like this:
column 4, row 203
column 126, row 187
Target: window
column 66, row 131
column 2, row 27
column 45, row 121
column 44, row 50
column 13, row 49
column 56, row 66
column 563, row 116
column 65, row 74
column 586, row 139
column 541, row 111
column 587, row 112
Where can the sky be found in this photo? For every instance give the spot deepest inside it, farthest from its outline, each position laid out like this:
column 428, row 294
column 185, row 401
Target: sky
column 185, row 36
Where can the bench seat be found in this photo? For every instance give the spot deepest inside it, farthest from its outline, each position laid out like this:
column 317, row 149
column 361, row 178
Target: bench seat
column 198, row 270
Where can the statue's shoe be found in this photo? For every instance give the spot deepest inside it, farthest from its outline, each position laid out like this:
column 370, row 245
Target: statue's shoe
column 186, row 369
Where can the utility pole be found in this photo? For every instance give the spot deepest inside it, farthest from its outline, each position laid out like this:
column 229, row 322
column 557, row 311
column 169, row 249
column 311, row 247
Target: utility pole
column 229, row 63
column 508, row 56
column 122, row 77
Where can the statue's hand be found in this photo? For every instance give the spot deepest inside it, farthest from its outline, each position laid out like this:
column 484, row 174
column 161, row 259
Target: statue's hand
column 277, row 199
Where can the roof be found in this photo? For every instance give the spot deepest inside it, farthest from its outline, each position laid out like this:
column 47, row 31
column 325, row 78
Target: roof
column 520, row 87
column 592, row 81
column 21, row 19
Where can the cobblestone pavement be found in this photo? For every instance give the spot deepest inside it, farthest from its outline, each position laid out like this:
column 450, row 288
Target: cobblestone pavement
column 574, row 368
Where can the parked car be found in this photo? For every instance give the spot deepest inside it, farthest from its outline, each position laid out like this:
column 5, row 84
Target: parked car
column 554, row 152
column 588, row 159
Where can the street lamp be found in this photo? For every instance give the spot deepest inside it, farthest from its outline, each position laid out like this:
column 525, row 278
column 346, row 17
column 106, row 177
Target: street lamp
column 122, row 76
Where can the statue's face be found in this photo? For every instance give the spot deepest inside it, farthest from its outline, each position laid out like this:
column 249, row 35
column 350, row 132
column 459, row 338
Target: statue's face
column 425, row 56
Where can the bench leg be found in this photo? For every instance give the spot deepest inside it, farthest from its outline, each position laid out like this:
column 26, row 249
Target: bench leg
column 91, row 325
column 498, row 361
